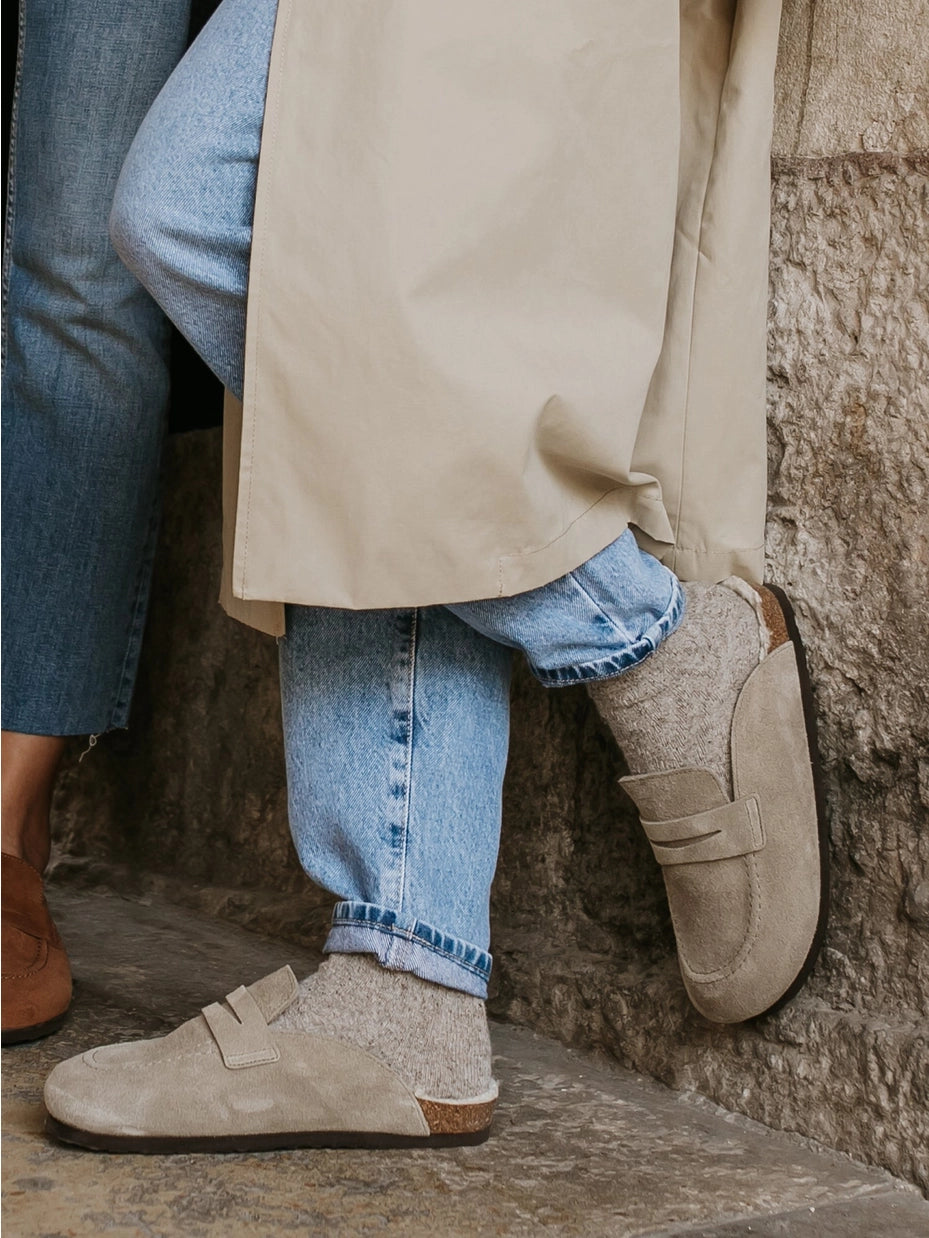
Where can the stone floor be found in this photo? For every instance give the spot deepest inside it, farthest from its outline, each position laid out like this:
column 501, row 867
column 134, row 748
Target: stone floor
column 580, row 1147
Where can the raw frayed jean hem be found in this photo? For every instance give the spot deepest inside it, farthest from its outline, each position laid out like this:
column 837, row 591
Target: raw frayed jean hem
column 624, row 659
column 409, row 945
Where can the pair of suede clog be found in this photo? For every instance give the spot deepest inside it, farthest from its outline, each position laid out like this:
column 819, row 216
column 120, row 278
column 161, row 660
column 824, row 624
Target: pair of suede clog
column 746, row 882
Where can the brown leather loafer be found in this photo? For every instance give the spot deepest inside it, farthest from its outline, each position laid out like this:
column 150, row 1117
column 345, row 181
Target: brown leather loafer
column 36, row 975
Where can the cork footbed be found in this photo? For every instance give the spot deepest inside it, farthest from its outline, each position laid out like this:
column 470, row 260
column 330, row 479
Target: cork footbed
column 774, row 620
column 451, row 1119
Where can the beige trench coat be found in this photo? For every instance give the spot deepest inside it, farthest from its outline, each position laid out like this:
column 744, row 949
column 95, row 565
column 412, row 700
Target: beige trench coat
column 507, row 296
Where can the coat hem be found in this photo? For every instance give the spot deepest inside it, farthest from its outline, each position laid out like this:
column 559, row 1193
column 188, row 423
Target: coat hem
column 584, row 538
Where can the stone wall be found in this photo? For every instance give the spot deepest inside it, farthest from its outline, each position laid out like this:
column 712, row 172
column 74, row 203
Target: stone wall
column 194, row 795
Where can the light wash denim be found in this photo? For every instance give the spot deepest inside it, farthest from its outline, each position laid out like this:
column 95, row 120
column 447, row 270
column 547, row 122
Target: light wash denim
column 396, row 726
column 182, row 215
column 395, row 721
column 85, row 381
column 395, row 735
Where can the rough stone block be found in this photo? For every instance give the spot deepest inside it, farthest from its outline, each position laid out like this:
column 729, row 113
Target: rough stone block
column 852, row 77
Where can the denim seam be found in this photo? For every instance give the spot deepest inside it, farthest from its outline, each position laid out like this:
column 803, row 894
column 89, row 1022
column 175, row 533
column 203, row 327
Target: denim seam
column 408, row 935
column 10, row 215
column 408, row 786
column 616, row 664
column 137, row 615
column 594, row 603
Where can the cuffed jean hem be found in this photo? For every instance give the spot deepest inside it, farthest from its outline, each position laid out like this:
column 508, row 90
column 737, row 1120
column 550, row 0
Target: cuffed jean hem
column 624, row 659
column 409, row 945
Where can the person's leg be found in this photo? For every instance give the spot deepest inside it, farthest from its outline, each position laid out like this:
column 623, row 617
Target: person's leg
column 614, row 620
column 705, row 689
column 85, row 380
column 84, row 403
column 607, row 618
column 396, row 728
column 396, row 733
column 603, row 618
column 395, row 722
column 181, row 218
column 603, row 621
column 30, row 763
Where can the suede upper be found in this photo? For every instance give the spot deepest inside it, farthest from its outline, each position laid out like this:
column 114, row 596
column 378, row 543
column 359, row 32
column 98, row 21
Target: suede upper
column 226, row 1073
column 742, row 870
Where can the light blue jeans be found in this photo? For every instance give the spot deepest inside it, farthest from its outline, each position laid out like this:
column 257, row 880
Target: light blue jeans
column 396, row 721
column 85, row 378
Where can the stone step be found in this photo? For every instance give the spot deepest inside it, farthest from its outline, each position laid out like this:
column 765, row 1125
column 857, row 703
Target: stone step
column 580, row 1146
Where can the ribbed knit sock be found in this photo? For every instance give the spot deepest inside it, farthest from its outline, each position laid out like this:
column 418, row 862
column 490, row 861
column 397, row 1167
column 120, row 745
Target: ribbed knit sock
column 674, row 710
column 435, row 1038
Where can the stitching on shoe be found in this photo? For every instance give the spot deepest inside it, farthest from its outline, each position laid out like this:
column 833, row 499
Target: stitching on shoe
column 90, row 1058
column 709, row 978
column 261, row 1057
column 753, row 597
column 245, row 1013
column 40, row 960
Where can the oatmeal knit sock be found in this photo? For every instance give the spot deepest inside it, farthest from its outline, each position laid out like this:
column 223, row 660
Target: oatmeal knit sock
column 435, row 1038
column 674, row 710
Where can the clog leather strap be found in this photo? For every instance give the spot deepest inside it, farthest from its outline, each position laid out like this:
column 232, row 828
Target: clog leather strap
column 241, row 1033
column 720, row 833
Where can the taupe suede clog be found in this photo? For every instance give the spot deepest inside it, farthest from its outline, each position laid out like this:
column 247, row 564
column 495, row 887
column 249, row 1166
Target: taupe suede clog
column 227, row 1082
column 747, row 877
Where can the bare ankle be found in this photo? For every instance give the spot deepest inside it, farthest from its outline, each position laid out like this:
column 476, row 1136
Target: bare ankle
column 30, row 766
column 29, row 840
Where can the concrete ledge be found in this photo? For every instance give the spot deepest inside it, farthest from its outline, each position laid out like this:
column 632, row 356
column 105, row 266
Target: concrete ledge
column 580, row 1147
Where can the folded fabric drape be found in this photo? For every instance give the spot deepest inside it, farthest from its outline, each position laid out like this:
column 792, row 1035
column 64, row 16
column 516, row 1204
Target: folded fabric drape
column 507, row 296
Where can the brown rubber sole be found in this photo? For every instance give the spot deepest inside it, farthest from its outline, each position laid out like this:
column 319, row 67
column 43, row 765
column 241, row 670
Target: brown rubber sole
column 277, row 1141
column 19, row 1035
column 809, row 715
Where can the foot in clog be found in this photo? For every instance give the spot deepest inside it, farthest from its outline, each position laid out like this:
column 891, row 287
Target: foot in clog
column 276, row 1066
column 717, row 729
column 36, row 976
